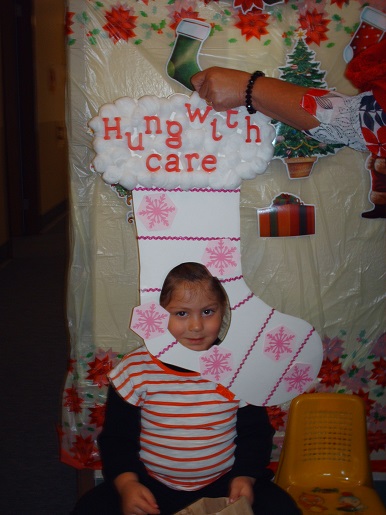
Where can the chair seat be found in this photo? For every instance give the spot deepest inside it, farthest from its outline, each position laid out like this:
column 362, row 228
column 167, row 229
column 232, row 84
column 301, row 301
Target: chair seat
column 335, row 501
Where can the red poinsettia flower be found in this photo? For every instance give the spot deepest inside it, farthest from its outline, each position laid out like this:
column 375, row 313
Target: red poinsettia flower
column 120, row 23
column 184, row 13
column 379, row 372
column 84, row 450
column 71, row 363
column 100, row 367
column 376, row 440
column 72, row 401
column 97, row 415
column 276, row 417
column 330, row 372
column 368, row 402
column 253, row 24
column 340, row 3
column 69, row 22
column 376, row 143
column 248, row 5
column 315, row 26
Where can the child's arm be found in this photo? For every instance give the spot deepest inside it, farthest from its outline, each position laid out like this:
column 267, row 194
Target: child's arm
column 134, row 495
column 253, row 451
column 119, row 439
column 119, row 449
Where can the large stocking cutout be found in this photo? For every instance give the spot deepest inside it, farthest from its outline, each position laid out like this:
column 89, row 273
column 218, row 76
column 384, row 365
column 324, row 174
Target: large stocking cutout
column 185, row 163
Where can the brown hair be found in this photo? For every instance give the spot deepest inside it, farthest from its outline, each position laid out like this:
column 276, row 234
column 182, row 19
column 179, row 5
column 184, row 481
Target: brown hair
column 193, row 273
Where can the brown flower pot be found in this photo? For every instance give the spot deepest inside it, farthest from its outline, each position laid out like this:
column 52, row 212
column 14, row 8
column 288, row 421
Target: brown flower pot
column 299, row 167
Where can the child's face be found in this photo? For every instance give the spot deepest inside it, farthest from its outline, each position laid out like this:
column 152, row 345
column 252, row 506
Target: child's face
column 195, row 316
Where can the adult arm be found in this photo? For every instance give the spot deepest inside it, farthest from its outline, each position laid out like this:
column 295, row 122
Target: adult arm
column 225, row 89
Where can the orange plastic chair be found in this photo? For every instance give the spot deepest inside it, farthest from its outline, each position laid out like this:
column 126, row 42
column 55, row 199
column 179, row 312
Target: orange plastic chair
column 324, row 464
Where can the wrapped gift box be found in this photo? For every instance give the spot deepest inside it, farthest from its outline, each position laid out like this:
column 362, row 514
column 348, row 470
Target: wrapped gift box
column 286, row 216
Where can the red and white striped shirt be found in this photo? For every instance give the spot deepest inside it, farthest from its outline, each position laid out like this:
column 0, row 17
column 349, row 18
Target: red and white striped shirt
column 187, row 427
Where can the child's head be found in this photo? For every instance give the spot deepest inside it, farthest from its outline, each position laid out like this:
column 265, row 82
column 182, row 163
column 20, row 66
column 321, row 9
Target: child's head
column 196, row 302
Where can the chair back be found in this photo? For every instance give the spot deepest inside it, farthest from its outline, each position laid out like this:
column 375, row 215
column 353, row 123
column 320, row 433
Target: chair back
column 325, row 442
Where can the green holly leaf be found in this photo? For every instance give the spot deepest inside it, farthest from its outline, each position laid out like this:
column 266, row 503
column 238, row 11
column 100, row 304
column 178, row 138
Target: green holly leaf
column 91, row 429
column 89, row 355
column 142, row 13
column 138, row 41
column 330, row 45
column 95, row 31
column 92, row 40
column 232, row 40
column 268, row 42
column 85, row 17
column 89, row 395
column 71, row 41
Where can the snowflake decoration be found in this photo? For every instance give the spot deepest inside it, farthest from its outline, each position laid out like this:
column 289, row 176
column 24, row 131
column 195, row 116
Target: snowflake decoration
column 216, row 364
column 156, row 211
column 299, row 377
column 149, row 320
column 221, row 257
column 278, row 343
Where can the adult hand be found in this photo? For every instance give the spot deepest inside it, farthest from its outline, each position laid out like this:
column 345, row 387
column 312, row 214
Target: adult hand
column 222, row 88
column 136, row 498
column 241, row 486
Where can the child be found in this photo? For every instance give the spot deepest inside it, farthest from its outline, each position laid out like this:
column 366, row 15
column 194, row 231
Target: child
column 169, row 437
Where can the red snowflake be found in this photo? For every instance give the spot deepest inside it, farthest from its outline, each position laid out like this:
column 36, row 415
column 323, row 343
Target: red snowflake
column 184, row 13
column 276, row 417
column 253, row 24
column 368, row 402
column 99, row 368
column 376, row 440
column 330, row 372
column 375, row 143
column 248, row 5
column 315, row 26
column 97, row 415
column 120, row 23
column 84, row 450
column 379, row 372
column 72, row 400
column 69, row 22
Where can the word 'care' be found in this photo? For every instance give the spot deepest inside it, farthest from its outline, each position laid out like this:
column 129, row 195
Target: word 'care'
column 175, row 162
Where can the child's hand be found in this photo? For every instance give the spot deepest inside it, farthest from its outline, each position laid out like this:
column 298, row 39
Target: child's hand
column 136, row 498
column 241, row 486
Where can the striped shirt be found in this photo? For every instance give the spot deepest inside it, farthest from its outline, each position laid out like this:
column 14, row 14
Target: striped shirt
column 187, row 427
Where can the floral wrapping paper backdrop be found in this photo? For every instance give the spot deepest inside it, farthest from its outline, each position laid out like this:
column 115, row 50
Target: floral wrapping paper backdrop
column 96, row 30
